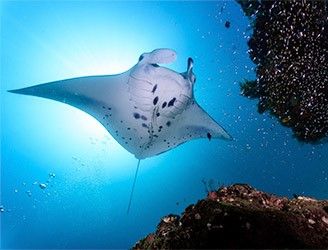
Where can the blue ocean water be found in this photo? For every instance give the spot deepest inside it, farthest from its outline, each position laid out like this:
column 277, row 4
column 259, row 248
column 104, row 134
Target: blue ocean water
column 87, row 173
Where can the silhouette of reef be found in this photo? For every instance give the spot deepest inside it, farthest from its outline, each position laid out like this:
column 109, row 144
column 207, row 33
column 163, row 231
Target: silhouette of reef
column 239, row 216
column 289, row 46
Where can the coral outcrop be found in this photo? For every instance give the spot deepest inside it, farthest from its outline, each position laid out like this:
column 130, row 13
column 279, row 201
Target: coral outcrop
column 289, row 46
column 239, row 216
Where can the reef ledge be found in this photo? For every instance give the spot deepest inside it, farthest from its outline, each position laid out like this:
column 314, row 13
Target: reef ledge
column 240, row 216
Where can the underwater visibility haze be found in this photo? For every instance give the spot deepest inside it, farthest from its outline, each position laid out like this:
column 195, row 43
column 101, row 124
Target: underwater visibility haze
column 66, row 181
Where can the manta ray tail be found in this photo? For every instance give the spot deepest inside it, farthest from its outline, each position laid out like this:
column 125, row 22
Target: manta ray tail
column 133, row 186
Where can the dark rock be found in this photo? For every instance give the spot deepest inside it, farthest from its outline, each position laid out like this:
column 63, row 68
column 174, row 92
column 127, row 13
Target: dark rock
column 239, row 216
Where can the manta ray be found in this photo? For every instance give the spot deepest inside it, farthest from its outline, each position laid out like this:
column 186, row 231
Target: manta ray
column 148, row 109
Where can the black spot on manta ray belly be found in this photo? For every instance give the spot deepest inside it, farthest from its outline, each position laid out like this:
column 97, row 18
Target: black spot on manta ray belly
column 144, row 118
column 155, row 100
column 154, row 89
column 107, row 108
column 136, row 115
column 171, row 103
column 164, row 105
column 168, row 123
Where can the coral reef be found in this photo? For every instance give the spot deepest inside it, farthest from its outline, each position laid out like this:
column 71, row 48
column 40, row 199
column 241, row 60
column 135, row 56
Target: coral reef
column 289, row 45
column 239, row 216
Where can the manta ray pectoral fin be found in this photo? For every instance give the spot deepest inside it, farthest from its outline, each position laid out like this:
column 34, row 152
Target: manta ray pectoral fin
column 192, row 123
column 95, row 95
column 158, row 56
column 199, row 124
column 47, row 90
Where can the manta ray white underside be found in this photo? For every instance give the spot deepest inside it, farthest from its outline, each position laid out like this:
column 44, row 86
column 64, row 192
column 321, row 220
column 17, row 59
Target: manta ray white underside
column 148, row 109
